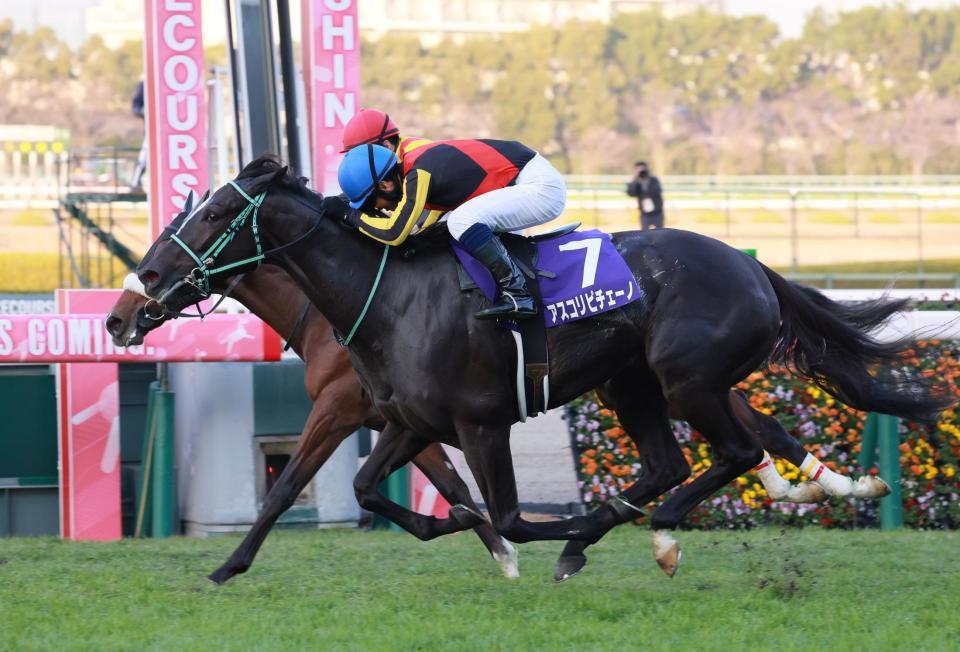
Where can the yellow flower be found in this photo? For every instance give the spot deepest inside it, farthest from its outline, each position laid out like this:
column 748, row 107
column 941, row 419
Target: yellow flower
column 949, row 471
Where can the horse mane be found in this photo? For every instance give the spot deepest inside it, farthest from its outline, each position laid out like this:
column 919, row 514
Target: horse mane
column 290, row 180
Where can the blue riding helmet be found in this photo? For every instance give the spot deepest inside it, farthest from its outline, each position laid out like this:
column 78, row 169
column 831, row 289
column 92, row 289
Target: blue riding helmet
column 362, row 169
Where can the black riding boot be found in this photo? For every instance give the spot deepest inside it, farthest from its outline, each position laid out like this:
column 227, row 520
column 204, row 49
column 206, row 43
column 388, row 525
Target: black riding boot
column 514, row 300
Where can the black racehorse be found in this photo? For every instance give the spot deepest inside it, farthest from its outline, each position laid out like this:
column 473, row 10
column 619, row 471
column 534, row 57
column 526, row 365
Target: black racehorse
column 709, row 316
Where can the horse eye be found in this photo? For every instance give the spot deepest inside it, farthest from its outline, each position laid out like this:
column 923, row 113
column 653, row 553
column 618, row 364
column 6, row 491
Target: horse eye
column 210, row 217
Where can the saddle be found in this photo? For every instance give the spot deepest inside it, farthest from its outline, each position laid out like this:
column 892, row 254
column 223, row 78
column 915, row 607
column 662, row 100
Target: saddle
column 530, row 335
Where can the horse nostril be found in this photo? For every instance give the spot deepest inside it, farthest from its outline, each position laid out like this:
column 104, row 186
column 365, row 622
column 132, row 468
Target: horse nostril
column 113, row 325
column 148, row 277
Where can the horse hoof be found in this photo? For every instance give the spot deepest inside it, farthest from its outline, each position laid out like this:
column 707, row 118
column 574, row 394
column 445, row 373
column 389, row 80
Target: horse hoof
column 666, row 551
column 806, row 492
column 508, row 560
column 568, row 566
column 870, row 486
column 220, row 576
column 466, row 517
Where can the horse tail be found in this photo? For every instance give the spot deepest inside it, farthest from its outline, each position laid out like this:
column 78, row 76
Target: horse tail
column 827, row 343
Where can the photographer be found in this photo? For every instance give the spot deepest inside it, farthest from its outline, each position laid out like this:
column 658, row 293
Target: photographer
column 646, row 188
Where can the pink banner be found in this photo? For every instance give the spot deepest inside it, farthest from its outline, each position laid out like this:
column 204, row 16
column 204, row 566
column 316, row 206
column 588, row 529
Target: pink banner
column 88, row 401
column 331, row 51
column 89, row 418
column 83, row 338
column 175, row 107
column 426, row 499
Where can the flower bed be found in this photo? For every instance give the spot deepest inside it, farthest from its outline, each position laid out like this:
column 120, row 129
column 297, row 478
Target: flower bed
column 929, row 455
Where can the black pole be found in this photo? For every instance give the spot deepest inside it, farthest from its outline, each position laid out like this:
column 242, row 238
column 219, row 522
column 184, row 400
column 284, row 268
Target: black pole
column 232, row 54
column 288, row 75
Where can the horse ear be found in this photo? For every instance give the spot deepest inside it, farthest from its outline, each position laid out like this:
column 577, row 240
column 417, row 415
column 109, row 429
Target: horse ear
column 263, row 181
column 205, row 196
column 188, row 205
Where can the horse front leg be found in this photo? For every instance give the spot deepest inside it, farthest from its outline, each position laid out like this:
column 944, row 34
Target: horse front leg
column 487, row 450
column 395, row 447
column 438, row 468
column 320, row 437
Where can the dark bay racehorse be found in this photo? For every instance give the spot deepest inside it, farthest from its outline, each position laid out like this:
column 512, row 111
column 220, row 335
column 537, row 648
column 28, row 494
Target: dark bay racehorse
column 340, row 406
column 339, row 403
column 710, row 316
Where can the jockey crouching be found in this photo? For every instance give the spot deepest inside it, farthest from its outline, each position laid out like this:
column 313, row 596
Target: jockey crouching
column 481, row 187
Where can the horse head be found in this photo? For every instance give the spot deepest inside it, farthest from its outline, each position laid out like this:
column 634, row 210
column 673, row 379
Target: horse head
column 203, row 251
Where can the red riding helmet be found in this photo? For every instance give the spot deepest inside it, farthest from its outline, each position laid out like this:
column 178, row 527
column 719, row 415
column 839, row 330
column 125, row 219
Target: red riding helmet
column 368, row 126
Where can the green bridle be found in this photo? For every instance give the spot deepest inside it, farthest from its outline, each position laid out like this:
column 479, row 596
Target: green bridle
column 199, row 276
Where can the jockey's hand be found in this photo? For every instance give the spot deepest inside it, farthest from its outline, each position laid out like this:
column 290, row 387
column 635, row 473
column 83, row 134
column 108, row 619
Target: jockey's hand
column 337, row 208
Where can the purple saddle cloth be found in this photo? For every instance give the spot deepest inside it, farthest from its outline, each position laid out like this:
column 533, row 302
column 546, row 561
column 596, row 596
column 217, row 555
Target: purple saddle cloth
column 581, row 274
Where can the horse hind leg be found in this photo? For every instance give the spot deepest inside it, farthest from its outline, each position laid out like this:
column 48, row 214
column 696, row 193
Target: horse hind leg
column 637, row 400
column 825, row 482
column 319, row 439
column 736, row 452
column 773, row 437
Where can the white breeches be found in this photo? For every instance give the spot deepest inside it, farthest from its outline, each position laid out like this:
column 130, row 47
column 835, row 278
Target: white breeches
column 538, row 195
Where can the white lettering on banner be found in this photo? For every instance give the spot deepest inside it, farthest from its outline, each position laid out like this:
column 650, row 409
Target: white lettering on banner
column 6, row 342
column 170, row 73
column 340, row 108
column 331, row 31
column 182, row 148
column 79, row 331
column 332, row 65
column 176, row 119
column 35, row 338
column 73, row 336
column 169, row 35
column 173, row 112
column 183, row 183
column 338, row 71
column 56, row 337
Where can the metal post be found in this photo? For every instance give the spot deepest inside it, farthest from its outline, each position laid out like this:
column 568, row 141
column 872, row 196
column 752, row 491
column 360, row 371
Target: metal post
column 288, row 75
column 596, row 209
column 142, row 516
column 164, row 482
column 920, row 265
column 856, row 214
column 868, row 446
column 728, row 213
column 888, row 440
column 793, row 231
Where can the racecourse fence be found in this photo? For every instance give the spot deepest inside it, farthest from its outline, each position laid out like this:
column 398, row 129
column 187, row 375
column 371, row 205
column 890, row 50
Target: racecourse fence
column 795, row 221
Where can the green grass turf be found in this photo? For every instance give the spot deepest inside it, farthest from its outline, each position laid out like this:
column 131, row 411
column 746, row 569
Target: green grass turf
column 331, row 590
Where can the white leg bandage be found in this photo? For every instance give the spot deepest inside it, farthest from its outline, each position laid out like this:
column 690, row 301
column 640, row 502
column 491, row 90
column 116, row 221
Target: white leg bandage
column 834, row 483
column 776, row 486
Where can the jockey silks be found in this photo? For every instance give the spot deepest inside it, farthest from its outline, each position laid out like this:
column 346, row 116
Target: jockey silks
column 442, row 175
